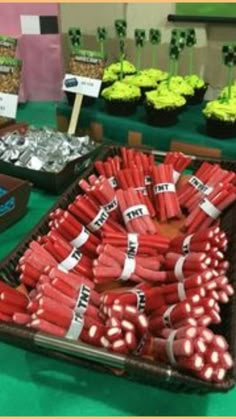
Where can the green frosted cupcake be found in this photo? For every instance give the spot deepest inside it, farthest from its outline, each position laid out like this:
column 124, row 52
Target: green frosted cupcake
column 221, row 118
column 178, row 85
column 144, row 82
column 163, row 107
column 128, row 68
column 121, row 98
column 199, row 86
column 109, row 77
column 155, row 73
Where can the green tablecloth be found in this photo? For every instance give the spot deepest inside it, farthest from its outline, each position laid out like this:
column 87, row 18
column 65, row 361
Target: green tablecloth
column 187, row 135
column 35, row 385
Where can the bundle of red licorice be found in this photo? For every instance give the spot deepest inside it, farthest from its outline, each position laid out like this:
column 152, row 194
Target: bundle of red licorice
column 115, row 271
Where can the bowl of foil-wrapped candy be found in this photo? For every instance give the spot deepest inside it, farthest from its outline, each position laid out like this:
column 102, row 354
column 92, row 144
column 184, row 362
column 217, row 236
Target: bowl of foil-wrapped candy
column 49, row 159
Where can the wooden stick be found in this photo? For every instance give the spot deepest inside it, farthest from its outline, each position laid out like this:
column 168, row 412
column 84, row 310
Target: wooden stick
column 75, row 114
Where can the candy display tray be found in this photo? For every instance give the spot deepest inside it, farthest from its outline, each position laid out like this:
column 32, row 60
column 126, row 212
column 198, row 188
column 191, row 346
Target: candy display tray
column 51, row 182
column 13, row 203
column 130, row 367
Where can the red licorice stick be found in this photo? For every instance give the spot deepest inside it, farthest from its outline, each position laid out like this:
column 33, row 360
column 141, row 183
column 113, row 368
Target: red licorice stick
column 18, row 299
column 209, row 209
column 8, row 289
column 30, row 271
column 73, row 279
column 179, row 162
column 137, row 243
column 180, row 347
column 141, row 224
column 125, row 268
column 78, row 236
column 94, row 217
column 196, row 184
column 47, row 327
column 21, row 318
column 183, row 332
column 193, row 363
column 10, row 309
column 169, row 317
column 134, row 178
column 135, row 214
column 166, row 202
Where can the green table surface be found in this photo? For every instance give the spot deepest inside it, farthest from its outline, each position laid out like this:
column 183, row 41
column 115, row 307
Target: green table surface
column 190, row 128
column 33, row 385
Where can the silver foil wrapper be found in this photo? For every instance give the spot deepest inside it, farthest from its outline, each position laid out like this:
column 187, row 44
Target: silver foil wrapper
column 43, row 149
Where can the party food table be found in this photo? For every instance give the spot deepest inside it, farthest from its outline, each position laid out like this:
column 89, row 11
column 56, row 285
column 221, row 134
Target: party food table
column 188, row 135
column 43, row 386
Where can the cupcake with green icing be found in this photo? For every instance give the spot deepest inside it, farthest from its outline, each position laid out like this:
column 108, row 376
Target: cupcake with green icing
column 109, row 77
column 199, row 86
column 221, row 118
column 177, row 85
column 163, row 107
column 144, row 82
column 121, row 98
column 155, row 73
column 128, row 68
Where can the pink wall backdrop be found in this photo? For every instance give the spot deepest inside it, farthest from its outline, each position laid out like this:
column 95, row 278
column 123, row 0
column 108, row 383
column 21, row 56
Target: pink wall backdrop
column 41, row 54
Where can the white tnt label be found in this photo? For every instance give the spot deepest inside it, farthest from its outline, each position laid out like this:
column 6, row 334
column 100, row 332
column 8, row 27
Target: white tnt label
column 163, row 187
column 82, row 85
column 8, row 105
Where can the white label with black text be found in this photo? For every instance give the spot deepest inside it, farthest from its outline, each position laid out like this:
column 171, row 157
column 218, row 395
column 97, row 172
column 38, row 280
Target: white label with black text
column 134, row 212
column 83, row 85
column 8, row 105
column 164, row 187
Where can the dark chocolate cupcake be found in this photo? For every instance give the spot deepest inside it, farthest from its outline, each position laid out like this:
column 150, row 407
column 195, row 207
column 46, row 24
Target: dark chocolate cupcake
column 121, row 98
column 163, row 109
column 221, row 118
column 200, row 88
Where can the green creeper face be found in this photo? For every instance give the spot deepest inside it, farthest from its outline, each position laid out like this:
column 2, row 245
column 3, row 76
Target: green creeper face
column 174, row 50
column 229, row 55
column 75, row 37
column 101, row 33
column 140, row 36
column 120, row 26
column 191, row 39
column 155, row 36
column 177, row 43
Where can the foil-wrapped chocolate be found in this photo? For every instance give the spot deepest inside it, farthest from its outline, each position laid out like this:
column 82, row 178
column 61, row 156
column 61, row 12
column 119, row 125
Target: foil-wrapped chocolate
column 43, row 149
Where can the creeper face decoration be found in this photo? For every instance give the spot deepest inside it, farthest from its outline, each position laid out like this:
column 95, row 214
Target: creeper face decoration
column 174, row 50
column 101, row 33
column 140, row 36
column 191, row 39
column 155, row 36
column 120, row 26
column 177, row 43
column 229, row 55
column 75, row 37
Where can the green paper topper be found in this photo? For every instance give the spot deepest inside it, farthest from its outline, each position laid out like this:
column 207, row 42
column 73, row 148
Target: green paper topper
column 74, row 37
column 229, row 55
column 140, row 36
column 101, row 33
column 174, row 51
column 120, row 26
column 179, row 35
column 154, row 36
column 191, row 39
